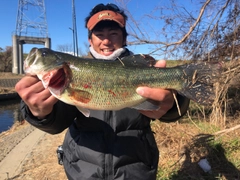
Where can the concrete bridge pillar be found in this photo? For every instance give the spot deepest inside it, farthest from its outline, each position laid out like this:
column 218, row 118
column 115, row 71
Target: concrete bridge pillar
column 48, row 43
column 15, row 54
column 20, row 62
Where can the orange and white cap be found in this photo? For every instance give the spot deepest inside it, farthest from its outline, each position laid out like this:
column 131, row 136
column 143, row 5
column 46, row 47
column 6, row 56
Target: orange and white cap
column 106, row 15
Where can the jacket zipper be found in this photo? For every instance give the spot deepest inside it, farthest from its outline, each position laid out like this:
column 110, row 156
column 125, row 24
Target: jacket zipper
column 109, row 170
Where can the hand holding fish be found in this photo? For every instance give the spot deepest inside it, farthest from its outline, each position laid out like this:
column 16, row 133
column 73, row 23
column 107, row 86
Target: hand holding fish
column 165, row 97
column 111, row 85
column 39, row 100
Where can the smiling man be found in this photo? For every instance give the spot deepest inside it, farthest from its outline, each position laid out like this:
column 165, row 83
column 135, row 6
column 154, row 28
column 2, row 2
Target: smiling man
column 106, row 145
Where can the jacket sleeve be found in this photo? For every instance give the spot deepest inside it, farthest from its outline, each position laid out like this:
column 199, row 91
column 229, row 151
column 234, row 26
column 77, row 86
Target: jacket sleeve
column 172, row 114
column 59, row 119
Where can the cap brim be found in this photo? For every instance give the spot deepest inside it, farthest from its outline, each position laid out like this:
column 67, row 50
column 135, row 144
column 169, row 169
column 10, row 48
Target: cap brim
column 105, row 15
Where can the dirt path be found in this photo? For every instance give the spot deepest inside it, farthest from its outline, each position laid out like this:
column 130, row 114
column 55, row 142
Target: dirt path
column 11, row 165
column 28, row 153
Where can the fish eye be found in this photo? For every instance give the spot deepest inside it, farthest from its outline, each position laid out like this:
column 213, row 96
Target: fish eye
column 44, row 53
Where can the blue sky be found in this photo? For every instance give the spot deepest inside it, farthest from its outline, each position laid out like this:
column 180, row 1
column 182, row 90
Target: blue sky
column 59, row 19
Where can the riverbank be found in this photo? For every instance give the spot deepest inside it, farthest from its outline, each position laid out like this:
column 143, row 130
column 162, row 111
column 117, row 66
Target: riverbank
column 181, row 144
column 8, row 95
column 8, row 81
column 9, row 112
column 28, row 153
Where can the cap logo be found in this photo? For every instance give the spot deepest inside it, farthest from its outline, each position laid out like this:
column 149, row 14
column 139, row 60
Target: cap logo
column 103, row 14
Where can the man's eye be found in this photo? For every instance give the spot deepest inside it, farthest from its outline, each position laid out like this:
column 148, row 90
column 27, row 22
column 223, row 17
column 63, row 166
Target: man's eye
column 114, row 33
column 99, row 35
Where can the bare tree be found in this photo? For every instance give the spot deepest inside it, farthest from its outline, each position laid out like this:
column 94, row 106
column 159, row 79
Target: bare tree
column 68, row 48
column 84, row 52
column 185, row 33
column 203, row 30
column 6, row 59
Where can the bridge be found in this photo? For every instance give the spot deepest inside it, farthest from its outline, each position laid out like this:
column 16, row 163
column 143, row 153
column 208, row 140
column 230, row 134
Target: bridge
column 31, row 28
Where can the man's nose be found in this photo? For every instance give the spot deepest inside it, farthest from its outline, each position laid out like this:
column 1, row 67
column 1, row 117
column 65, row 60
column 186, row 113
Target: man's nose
column 106, row 40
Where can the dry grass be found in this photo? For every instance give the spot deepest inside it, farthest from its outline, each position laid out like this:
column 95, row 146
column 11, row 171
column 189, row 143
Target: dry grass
column 227, row 93
column 206, row 133
column 183, row 145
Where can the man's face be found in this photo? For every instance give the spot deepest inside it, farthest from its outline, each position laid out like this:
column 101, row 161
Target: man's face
column 105, row 41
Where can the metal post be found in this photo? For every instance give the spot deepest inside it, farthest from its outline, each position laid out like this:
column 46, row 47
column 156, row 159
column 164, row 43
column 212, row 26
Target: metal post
column 73, row 41
column 74, row 29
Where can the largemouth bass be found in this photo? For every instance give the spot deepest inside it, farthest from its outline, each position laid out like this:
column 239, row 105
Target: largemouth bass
column 111, row 85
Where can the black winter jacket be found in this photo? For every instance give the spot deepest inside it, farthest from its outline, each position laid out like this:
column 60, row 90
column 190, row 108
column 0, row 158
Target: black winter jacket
column 108, row 145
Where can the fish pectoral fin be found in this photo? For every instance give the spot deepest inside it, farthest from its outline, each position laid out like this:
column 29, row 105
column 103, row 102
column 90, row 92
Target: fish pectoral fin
column 84, row 111
column 79, row 95
column 149, row 105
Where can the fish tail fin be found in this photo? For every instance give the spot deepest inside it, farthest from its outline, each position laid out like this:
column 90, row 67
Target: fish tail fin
column 200, row 80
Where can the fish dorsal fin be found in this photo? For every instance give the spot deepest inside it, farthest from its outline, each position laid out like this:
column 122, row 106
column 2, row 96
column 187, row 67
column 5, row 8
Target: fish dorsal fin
column 138, row 60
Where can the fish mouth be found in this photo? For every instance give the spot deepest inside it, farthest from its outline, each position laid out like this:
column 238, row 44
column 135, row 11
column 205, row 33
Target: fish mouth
column 37, row 61
column 57, row 79
column 31, row 59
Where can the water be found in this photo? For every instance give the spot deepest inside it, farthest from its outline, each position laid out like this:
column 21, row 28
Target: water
column 9, row 113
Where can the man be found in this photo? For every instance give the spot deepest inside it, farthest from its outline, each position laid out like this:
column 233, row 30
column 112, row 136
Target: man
column 109, row 144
